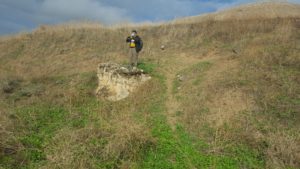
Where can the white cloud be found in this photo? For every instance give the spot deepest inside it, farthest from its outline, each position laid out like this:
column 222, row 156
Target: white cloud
column 82, row 10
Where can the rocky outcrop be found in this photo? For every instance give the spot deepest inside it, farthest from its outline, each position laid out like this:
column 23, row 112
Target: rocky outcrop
column 116, row 82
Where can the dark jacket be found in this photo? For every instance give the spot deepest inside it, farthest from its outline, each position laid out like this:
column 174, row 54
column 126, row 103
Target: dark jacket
column 138, row 42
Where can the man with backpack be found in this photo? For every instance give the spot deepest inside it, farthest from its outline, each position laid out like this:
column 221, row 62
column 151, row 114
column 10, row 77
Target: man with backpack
column 135, row 45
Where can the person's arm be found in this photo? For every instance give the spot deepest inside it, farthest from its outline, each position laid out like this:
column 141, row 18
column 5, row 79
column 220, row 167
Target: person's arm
column 137, row 40
column 128, row 39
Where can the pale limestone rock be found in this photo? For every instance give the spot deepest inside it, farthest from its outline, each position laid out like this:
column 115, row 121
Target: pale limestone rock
column 116, row 82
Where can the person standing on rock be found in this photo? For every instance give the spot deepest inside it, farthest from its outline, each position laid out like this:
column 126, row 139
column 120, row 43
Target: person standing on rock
column 135, row 45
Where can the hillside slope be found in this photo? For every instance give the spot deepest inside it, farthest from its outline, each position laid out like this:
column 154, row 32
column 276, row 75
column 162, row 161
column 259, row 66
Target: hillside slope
column 224, row 94
column 259, row 11
column 266, row 10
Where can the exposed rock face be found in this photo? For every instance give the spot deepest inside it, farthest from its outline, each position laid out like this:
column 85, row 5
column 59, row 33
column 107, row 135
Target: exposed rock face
column 116, row 82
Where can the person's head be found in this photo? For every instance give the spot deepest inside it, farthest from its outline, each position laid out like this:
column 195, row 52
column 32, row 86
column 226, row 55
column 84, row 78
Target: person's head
column 133, row 33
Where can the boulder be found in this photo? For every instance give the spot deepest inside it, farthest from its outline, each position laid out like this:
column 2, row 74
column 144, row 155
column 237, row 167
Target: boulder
column 116, row 82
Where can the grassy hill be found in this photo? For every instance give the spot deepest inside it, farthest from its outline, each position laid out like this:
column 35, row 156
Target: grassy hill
column 251, row 11
column 224, row 94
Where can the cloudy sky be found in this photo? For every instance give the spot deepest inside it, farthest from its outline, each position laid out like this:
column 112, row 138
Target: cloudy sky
column 25, row 15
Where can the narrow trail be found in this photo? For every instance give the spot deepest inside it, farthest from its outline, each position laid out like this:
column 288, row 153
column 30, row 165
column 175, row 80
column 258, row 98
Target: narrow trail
column 175, row 65
column 227, row 101
column 171, row 66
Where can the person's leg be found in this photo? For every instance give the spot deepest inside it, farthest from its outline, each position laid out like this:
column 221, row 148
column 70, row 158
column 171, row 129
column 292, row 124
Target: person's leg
column 136, row 55
column 131, row 58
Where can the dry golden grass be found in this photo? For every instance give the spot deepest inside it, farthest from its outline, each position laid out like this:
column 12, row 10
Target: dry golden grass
column 262, row 10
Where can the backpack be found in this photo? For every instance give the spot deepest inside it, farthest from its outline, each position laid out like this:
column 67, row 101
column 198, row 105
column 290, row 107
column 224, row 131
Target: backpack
column 140, row 46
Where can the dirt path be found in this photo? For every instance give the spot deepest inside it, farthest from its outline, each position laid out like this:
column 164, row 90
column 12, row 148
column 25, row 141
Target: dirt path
column 175, row 65
column 225, row 105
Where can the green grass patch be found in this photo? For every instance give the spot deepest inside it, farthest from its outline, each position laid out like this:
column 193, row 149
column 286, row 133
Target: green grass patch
column 177, row 149
column 147, row 67
column 246, row 157
column 39, row 123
